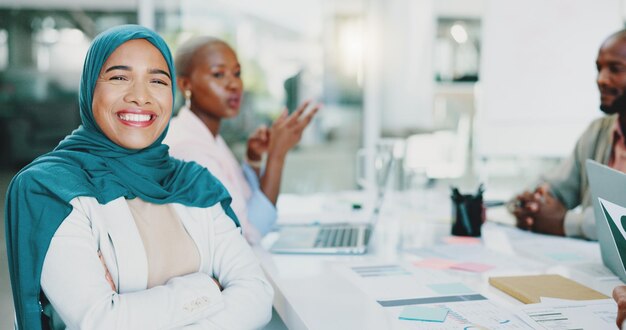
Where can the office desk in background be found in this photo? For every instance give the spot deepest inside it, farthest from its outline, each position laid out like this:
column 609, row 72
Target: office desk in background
column 410, row 241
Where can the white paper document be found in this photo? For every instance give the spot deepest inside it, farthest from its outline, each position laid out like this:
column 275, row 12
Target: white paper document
column 556, row 314
column 479, row 314
column 395, row 281
column 546, row 248
column 396, row 286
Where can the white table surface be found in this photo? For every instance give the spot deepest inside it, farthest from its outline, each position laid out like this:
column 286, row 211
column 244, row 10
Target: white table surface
column 313, row 291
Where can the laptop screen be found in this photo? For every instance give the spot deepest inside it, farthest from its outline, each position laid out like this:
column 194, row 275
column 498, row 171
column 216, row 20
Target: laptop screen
column 609, row 205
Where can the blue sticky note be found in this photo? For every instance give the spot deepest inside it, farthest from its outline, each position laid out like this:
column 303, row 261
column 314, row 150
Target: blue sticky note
column 426, row 314
column 450, row 288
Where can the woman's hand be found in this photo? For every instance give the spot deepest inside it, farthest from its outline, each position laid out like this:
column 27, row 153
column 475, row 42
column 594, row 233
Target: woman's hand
column 287, row 130
column 284, row 134
column 107, row 275
column 258, row 143
column 218, row 283
column 619, row 294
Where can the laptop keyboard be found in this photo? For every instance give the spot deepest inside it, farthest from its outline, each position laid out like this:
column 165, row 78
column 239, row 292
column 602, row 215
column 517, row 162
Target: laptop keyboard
column 337, row 237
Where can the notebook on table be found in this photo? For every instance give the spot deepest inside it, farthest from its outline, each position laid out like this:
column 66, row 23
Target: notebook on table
column 530, row 289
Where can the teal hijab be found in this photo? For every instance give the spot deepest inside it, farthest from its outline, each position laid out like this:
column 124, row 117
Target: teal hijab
column 87, row 163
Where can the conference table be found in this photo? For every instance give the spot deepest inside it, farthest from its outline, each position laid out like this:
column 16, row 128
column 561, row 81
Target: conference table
column 412, row 260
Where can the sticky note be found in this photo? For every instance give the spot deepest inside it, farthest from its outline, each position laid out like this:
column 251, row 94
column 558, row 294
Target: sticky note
column 450, row 288
column 425, row 314
column 434, row 263
column 472, row 267
column 462, row 240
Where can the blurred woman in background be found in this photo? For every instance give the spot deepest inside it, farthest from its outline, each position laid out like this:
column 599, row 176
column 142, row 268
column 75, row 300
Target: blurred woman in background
column 209, row 76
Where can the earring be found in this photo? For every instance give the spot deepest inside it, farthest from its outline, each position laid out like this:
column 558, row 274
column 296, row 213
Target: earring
column 188, row 99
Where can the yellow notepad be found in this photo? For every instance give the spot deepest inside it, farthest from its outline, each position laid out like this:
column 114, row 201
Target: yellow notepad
column 530, row 289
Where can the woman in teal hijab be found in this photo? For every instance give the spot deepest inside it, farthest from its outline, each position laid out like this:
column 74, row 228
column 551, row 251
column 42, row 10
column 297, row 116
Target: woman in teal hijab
column 113, row 161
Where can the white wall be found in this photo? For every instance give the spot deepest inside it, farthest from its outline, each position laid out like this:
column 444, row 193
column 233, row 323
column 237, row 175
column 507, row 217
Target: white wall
column 402, row 65
column 538, row 89
column 460, row 8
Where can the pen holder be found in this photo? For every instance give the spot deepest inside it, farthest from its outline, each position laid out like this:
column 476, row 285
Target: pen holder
column 468, row 213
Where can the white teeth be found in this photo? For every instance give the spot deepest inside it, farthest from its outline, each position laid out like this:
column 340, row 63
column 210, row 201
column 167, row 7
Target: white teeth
column 134, row 117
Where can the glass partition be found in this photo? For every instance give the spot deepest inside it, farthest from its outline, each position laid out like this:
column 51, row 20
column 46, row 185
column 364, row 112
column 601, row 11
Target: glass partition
column 41, row 57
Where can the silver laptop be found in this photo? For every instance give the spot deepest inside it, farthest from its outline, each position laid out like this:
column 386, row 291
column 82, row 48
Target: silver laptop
column 608, row 194
column 328, row 238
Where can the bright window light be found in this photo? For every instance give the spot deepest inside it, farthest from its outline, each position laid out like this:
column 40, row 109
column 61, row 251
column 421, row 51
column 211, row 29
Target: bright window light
column 459, row 33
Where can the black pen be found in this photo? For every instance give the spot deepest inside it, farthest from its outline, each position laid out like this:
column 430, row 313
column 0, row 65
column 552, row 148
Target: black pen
column 465, row 218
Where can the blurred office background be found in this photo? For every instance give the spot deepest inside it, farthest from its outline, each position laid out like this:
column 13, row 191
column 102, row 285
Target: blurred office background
column 473, row 90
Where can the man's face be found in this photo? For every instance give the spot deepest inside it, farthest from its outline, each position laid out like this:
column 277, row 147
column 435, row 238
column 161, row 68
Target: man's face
column 611, row 64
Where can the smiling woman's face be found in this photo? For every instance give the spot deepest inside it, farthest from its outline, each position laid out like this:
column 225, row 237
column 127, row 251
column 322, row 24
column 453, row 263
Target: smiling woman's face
column 132, row 101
